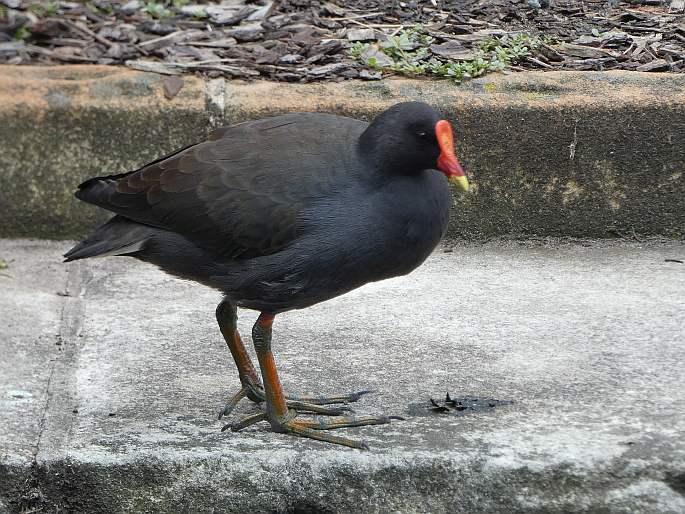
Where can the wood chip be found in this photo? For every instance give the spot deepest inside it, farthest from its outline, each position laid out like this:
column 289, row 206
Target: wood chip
column 480, row 35
column 373, row 56
column 171, row 86
column 225, row 42
column 327, row 69
column 370, row 75
column 303, row 40
column 453, row 50
column 249, row 32
column 332, row 9
column 361, row 35
column 677, row 6
column 153, row 66
column 582, row 51
column 655, row 65
column 161, row 42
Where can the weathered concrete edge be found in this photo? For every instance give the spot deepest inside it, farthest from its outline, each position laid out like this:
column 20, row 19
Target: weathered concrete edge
column 562, row 154
column 358, row 482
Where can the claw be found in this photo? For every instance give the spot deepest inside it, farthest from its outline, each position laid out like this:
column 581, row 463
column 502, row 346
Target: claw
column 245, row 422
column 233, row 402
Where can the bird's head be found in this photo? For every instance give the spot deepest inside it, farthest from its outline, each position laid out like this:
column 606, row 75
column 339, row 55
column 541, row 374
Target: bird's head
column 411, row 137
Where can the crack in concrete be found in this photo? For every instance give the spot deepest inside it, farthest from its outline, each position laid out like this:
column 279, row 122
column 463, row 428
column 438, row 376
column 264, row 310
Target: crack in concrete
column 70, row 325
column 215, row 91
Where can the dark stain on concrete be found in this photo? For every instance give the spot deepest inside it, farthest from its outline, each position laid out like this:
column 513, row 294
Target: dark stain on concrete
column 45, row 155
column 454, row 405
column 60, row 97
column 126, row 88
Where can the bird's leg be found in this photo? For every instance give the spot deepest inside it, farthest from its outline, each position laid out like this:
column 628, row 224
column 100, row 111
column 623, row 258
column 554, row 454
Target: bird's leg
column 276, row 408
column 280, row 417
column 227, row 317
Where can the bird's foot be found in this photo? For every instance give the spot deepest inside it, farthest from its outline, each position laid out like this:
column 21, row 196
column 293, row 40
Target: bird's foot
column 314, row 428
column 310, row 404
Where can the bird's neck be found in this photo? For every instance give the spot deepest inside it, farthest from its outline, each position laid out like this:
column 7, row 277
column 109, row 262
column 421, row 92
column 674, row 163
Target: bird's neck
column 383, row 153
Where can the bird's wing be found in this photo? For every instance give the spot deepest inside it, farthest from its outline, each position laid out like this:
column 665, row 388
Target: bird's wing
column 240, row 192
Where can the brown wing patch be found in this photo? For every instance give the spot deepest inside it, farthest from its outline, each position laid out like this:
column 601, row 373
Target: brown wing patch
column 166, row 176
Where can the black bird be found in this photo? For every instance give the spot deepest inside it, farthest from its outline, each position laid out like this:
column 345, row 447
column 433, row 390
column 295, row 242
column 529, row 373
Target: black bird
column 280, row 214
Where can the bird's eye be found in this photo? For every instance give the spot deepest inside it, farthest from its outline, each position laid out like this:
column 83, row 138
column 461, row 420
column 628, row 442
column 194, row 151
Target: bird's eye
column 423, row 135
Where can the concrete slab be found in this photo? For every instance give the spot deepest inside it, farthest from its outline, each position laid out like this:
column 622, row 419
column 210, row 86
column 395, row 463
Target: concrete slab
column 30, row 346
column 587, row 340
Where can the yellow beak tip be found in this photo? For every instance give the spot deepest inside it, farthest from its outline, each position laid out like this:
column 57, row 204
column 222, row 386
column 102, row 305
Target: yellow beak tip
column 460, row 181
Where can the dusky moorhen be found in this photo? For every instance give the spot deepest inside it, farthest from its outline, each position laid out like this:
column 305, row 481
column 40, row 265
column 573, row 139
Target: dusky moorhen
column 282, row 213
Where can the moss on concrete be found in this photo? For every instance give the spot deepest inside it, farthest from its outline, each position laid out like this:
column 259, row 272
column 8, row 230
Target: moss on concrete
column 52, row 140
column 590, row 172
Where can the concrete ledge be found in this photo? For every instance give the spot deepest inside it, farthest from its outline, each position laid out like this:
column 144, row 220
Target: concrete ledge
column 566, row 154
column 112, row 373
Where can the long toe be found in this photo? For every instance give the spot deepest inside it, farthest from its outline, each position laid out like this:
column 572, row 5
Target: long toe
column 329, row 400
column 245, row 422
column 304, row 403
column 312, row 408
column 315, row 429
column 253, row 393
column 344, row 422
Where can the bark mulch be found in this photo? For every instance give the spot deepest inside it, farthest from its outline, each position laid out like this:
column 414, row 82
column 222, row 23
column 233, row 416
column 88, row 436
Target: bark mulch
column 303, row 40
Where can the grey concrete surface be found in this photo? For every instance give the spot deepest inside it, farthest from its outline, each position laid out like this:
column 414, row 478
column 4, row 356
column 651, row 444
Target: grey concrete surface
column 112, row 374
column 585, row 154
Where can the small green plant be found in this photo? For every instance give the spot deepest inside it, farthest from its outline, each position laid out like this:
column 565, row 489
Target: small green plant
column 408, row 46
column 107, row 9
column 460, row 70
column 157, row 10
column 21, row 33
column 408, row 53
column 357, row 49
column 4, row 266
column 510, row 50
column 44, row 9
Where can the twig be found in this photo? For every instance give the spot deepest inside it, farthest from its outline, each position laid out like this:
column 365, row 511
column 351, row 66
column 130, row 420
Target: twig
column 361, row 24
column 350, row 18
column 393, row 25
column 539, row 63
column 162, row 38
column 201, row 63
column 85, row 30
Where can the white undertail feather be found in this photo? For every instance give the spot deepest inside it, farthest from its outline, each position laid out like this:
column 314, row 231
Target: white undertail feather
column 130, row 248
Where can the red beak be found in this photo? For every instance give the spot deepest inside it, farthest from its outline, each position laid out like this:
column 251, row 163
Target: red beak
column 447, row 161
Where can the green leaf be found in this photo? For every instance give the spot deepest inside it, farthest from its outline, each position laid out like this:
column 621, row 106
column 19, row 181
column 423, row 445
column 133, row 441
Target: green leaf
column 21, row 33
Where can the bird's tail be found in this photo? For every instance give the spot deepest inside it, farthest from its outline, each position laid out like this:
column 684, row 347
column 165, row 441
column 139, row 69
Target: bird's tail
column 119, row 236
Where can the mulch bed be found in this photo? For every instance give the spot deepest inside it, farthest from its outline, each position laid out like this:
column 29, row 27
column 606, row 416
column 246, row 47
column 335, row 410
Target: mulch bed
column 303, row 40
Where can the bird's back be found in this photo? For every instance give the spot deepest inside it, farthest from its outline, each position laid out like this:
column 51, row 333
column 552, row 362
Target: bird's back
column 241, row 192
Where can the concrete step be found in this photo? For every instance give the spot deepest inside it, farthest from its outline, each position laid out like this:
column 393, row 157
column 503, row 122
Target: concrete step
column 555, row 154
column 112, row 374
